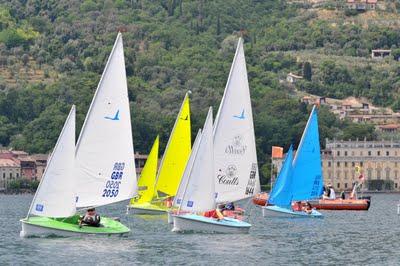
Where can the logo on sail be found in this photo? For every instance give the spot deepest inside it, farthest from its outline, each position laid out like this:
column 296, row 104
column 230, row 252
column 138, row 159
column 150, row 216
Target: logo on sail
column 39, row 207
column 251, row 184
column 237, row 147
column 230, row 176
column 185, row 119
column 241, row 116
column 116, row 117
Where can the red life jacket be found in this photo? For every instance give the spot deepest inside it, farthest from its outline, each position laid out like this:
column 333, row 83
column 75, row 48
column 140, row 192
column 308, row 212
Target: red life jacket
column 211, row 214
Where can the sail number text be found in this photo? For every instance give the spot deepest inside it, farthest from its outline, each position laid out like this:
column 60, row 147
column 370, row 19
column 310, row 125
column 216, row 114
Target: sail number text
column 112, row 185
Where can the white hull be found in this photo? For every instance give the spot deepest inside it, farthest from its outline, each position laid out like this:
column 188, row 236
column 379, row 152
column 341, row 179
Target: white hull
column 268, row 211
column 182, row 224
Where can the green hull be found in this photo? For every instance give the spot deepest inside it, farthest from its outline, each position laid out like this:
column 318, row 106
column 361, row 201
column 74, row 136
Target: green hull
column 108, row 226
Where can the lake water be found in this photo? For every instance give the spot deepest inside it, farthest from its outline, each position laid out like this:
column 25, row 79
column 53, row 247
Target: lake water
column 341, row 238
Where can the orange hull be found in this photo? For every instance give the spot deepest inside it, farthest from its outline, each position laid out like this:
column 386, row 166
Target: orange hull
column 341, row 204
column 260, row 198
column 324, row 204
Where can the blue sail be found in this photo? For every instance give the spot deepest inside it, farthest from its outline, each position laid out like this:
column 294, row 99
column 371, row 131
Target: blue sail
column 307, row 172
column 281, row 194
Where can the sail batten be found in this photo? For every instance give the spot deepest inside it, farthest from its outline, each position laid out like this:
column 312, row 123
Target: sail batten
column 236, row 170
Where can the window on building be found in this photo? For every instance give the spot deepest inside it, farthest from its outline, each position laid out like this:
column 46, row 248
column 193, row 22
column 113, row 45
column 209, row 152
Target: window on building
column 338, row 185
column 378, row 153
column 10, row 175
column 378, row 173
column 353, row 164
column 352, row 153
column 387, row 170
column 369, row 153
column 338, row 153
column 387, row 153
column 361, row 164
column 4, row 175
column 338, row 164
column 345, row 164
column 369, row 173
column 17, row 175
column 338, row 173
column 395, row 185
column 345, row 174
column 345, row 153
column 396, row 174
column 329, row 164
column 361, row 153
column 345, row 185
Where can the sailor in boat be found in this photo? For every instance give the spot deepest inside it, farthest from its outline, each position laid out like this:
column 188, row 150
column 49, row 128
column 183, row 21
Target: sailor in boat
column 307, row 208
column 329, row 192
column 91, row 218
column 168, row 202
column 216, row 214
column 297, row 206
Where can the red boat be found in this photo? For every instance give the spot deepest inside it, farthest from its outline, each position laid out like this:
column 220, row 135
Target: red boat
column 325, row 204
column 341, row 204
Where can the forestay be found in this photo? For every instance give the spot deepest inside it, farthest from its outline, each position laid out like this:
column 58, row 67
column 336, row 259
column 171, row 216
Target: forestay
column 186, row 173
column 105, row 166
column 199, row 194
column 307, row 172
column 236, row 169
column 55, row 196
column 282, row 191
column 179, row 143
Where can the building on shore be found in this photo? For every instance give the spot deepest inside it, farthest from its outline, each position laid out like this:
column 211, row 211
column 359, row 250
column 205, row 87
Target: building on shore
column 20, row 165
column 379, row 162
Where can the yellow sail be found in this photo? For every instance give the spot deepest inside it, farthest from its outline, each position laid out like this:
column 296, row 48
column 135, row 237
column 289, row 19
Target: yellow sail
column 176, row 153
column 147, row 179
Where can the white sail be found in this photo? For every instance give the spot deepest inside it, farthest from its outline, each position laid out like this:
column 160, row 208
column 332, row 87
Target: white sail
column 199, row 194
column 236, row 169
column 105, row 167
column 186, row 173
column 55, row 196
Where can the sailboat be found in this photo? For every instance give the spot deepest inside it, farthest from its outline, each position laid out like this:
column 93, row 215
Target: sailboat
column 97, row 171
column 166, row 181
column 300, row 179
column 236, row 171
column 146, row 183
column 198, row 194
column 184, row 181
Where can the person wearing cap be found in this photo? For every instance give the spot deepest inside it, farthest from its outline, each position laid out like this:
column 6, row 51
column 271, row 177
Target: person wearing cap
column 91, row 218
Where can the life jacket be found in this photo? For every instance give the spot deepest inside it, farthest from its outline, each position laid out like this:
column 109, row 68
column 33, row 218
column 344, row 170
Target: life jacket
column 211, row 214
column 92, row 220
